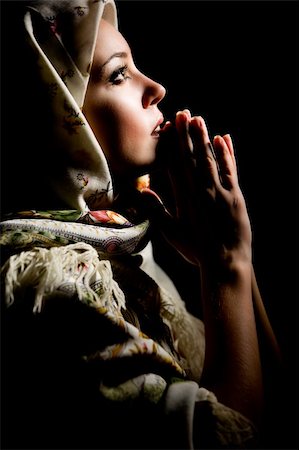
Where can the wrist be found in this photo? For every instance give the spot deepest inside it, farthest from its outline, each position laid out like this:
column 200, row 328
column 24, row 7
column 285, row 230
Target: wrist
column 227, row 263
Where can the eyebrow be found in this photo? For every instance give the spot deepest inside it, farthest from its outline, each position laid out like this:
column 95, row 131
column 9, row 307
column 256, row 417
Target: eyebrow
column 99, row 69
column 115, row 55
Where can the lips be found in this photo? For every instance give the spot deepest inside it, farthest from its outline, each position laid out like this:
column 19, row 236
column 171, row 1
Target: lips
column 157, row 129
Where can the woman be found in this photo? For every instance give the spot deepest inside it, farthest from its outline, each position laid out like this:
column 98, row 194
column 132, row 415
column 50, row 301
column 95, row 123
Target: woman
column 108, row 354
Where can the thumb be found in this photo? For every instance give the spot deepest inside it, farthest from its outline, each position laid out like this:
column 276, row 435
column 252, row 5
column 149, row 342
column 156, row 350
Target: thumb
column 154, row 207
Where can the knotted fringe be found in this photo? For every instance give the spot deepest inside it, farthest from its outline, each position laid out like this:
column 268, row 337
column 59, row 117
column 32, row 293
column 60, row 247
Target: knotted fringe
column 46, row 270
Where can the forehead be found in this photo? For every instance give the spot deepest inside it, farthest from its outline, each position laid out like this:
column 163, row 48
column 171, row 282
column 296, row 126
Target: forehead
column 109, row 41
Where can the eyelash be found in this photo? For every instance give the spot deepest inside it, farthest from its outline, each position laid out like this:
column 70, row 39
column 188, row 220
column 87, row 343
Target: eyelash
column 121, row 71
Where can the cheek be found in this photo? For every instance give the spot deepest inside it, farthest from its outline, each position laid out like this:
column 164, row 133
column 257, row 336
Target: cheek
column 123, row 134
column 105, row 125
column 113, row 131
column 118, row 129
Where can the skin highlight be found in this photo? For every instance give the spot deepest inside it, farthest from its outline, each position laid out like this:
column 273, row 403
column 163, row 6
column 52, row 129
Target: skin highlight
column 210, row 226
column 121, row 105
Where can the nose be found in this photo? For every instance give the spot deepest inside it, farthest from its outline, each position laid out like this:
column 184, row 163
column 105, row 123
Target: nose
column 153, row 93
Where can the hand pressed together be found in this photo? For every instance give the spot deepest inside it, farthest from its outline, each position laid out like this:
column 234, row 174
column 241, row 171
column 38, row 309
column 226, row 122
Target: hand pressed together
column 207, row 218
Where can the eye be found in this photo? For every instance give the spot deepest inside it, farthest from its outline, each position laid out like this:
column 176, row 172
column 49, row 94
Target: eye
column 119, row 75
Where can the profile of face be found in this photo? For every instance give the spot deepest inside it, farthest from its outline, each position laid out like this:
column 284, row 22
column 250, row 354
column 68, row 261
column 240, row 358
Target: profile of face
column 121, row 105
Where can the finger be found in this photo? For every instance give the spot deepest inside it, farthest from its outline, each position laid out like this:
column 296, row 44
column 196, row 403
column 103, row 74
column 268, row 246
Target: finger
column 166, row 126
column 182, row 171
column 182, row 124
column 174, row 176
column 229, row 143
column 168, row 137
column 204, row 152
column 188, row 113
column 226, row 163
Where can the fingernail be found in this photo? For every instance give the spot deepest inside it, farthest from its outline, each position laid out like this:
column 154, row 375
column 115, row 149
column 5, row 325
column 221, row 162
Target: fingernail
column 227, row 136
column 187, row 111
column 197, row 120
column 181, row 113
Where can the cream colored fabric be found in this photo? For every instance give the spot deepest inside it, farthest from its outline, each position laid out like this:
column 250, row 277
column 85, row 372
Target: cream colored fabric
column 62, row 36
column 197, row 420
column 74, row 269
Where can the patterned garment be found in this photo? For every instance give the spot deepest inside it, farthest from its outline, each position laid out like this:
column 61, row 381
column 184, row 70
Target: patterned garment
column 136, row 347
column 98, row 348
column 61, row 37
column 110, row 239
column 103, row 243
column 125, row 297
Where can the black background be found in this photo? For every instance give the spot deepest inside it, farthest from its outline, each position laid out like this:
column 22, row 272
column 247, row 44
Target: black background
column 236, row 64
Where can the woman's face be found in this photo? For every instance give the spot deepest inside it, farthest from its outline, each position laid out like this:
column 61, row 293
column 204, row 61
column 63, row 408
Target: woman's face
column 121, row 105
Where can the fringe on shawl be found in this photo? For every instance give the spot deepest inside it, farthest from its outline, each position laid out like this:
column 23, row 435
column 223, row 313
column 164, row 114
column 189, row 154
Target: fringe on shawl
column 46, row 270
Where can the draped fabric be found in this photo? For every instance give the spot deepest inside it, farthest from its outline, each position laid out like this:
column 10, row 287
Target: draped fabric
column 104, row 350
column 61, row 38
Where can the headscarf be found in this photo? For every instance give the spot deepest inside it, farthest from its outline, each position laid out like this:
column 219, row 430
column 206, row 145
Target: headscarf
column 69, row 252
column 62, row 36
column 135, row 338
